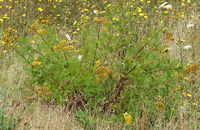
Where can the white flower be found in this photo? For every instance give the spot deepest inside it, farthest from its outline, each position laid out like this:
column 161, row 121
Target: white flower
column 186, row 47
column 68, row 37
column 169, row 6
column 5, row 51
column 190, row 25
column 80, row 57
column 183, row 108
column 95, row 11
column 165, row 5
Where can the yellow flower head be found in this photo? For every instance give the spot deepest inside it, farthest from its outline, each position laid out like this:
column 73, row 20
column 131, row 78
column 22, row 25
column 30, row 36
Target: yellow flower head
column 101, row 20
column 40, row 9
column 127, row 118
column 97, row 63
column 36, row 63
column 185, row 94
column 139, row 10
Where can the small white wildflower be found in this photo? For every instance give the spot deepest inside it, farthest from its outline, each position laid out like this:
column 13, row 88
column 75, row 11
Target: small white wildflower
column 186, row 47
column 190, row 25
column 183, row 108
column 68, row 37
column 165, row 5
column 95, row 11
column 80, row 57
column 5, row 51
column 169, row 6
column 105, row 62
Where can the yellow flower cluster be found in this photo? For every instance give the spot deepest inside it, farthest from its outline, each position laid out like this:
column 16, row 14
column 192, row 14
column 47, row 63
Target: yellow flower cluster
column 190, row 68
column 181, row 76
column 34, row 26
column 101, row 20
column 140, row 11
column 127, row 118
column 40, row 9
column 43, row 91
column 45, row 20
column 36, row 63
column 102, row 72
column 63, row 45
column 97, row 63
column 160, row 103
column 42, row 31
column 8, row 36
column 186, row 94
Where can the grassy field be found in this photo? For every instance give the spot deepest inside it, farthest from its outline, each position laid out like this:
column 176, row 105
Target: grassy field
column 99, row 65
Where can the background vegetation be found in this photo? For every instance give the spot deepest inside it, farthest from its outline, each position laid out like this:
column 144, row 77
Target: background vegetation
column 103, row 64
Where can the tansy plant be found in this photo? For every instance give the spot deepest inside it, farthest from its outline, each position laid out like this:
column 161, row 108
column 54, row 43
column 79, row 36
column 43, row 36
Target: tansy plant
column 102, row 56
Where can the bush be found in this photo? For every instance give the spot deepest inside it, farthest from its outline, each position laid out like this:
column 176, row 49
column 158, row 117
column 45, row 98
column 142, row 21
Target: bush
column 112, row 58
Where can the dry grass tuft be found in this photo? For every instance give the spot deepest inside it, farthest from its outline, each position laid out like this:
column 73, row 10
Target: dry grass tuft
column 47, row 118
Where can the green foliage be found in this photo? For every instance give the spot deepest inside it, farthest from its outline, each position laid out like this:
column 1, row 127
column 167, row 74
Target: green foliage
column 111, row 61
column 67, row 71
column 7, row 119
column 6, row 122
column 85, row 120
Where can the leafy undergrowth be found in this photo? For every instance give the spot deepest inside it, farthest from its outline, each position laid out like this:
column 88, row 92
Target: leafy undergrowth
column 110, row 64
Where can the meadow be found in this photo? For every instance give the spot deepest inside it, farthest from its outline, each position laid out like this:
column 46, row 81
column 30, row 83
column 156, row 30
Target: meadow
column 99, row 65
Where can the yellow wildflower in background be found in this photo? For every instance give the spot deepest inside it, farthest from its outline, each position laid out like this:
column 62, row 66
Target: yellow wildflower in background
column 185, row 94
column 139, row 10
column 178, row 88
column 102, row 72
column 190, row 68
column 97, row 63
column 42, row 31
column 1, row 20
column 141, row 14
column 159, row 103
column 146, row 17
column 101, row 20
column 36, row 63
column 23, row 15
column 127, row 118
column 63, row 45
column 43, row 91
column 9, row 36
column 194, row 104
column 34, row 26
column 40, row 9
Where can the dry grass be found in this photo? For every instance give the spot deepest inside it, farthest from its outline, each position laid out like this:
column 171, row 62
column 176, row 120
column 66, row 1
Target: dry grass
column 188, row 36
column 47, row 118
column 23, row 104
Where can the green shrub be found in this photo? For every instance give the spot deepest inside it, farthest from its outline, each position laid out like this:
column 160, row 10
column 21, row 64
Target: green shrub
column 111, row 62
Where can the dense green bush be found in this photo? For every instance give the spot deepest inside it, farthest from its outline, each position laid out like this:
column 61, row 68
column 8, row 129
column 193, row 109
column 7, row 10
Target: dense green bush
column 101, row 70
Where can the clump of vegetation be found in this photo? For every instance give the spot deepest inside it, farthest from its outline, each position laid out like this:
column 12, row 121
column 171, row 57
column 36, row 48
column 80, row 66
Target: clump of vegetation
column 106, row 58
